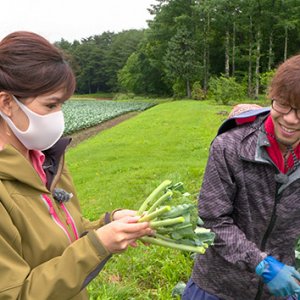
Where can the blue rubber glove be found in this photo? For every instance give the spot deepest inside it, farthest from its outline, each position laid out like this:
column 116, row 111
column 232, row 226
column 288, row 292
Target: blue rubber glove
column 280, row 278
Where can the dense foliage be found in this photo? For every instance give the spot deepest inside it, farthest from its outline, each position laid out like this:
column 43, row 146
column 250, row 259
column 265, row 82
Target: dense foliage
column 190, row 41
column 96, row 60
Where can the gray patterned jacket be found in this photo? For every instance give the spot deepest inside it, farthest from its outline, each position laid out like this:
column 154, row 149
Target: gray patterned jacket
column 252, row 209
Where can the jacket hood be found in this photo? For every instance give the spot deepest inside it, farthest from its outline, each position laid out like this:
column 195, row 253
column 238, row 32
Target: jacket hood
column 231, row 122
column 14, row 166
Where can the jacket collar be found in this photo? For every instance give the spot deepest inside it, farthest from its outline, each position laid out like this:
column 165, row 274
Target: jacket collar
column 52, row 158
column 253, row 149
column 254, row 141
column 15, row 167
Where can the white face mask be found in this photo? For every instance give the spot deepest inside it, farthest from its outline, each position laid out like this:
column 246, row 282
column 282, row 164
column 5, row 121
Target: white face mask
column 43, row 130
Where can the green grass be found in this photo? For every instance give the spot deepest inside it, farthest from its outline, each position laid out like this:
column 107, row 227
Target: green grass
column 121, row 166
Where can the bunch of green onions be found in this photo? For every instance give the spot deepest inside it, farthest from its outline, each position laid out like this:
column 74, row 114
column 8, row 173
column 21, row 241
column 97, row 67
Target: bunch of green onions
column 177, row 226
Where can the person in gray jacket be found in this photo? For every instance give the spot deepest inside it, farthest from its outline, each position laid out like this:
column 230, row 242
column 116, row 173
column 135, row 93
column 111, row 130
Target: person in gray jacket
column 250, row 197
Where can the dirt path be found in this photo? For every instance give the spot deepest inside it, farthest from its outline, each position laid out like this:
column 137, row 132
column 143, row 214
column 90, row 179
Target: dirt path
column 86, row 133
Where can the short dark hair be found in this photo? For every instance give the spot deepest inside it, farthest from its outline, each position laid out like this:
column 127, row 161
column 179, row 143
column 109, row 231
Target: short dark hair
column 285, row 85
column 31, row 66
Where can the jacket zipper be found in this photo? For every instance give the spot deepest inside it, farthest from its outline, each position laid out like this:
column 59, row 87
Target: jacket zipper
column 266, row 236
column 56, row 219
column 70, row 221
column 54, row 216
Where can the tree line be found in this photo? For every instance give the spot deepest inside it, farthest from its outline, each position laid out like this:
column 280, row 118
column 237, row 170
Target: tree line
column 187, row 45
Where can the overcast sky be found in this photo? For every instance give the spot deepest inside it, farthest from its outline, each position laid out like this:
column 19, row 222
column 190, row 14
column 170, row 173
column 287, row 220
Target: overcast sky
column 73, row 19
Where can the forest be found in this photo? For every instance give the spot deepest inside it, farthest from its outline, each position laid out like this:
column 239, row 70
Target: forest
column 189, row 48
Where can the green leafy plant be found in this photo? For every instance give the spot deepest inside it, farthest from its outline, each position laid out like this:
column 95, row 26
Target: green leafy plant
column 197, row 91
column 176, row 226
column 225, row 89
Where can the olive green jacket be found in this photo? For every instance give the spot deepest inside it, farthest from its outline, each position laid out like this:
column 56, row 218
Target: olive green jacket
column 47, row 249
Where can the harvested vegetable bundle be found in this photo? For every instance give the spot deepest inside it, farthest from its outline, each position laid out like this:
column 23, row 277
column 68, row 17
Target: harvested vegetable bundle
column 176, row 226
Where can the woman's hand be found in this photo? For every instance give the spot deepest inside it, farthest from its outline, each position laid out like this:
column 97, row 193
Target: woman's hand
column 118, row 235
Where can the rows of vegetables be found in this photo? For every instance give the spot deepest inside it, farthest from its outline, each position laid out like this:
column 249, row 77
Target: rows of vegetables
column 82, row 114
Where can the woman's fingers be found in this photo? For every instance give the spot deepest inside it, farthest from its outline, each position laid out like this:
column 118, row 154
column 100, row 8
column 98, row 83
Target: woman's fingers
column 119, row 214
column 131, row 226
column 118, row 235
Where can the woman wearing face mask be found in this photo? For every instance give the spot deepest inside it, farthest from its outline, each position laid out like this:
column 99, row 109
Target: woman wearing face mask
column 47, row 249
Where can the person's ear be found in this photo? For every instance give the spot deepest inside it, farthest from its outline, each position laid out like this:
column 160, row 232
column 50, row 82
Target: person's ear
column 6, row 103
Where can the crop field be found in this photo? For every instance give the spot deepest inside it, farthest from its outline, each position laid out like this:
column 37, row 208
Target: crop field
column 87, row 113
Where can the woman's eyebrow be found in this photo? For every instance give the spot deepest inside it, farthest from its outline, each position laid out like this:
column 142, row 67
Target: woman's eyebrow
column 55, row 99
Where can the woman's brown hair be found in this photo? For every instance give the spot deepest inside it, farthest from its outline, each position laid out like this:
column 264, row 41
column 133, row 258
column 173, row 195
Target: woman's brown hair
column 31, row 66
column 285, row 86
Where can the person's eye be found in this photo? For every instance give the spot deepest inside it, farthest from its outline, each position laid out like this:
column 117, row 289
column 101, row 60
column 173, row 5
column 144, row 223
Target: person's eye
column 53, row 105
column 283, row 105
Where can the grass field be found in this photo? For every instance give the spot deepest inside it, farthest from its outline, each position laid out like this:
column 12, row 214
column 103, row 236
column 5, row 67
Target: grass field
column 121, row 166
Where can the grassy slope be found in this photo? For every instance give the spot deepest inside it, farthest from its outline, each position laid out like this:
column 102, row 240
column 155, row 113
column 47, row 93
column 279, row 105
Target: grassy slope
column 122, row 165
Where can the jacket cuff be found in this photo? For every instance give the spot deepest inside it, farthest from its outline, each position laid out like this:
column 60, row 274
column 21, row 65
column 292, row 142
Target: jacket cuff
column 101, row 249
column 109, row 216
column 254, row 258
